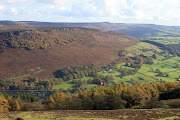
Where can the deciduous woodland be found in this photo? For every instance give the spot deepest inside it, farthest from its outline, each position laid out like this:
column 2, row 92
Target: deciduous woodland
column 100, row 98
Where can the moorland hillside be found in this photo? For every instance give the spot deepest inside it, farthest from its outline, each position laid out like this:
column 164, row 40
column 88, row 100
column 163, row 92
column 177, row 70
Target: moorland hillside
column 40, row 51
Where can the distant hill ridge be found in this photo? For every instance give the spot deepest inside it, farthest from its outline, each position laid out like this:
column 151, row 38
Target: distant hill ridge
column 136, row 30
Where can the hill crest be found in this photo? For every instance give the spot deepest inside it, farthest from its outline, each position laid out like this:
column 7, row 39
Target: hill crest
column 136, row 30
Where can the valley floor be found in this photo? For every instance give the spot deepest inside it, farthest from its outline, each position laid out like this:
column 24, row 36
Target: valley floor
column 122, row 114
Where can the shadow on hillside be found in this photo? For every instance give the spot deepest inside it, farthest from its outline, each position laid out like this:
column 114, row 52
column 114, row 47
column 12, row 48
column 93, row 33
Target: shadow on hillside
column 58, row 74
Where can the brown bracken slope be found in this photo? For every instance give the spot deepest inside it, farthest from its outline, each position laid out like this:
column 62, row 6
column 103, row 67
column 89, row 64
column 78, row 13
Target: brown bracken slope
column 54, row 48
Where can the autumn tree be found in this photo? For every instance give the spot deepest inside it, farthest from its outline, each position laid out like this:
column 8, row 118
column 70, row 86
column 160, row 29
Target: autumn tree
column 4, row 105
column 14, row 104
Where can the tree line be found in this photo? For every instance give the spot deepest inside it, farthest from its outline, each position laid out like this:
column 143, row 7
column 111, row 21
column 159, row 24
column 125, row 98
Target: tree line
column 100, row 98
column 116, row 97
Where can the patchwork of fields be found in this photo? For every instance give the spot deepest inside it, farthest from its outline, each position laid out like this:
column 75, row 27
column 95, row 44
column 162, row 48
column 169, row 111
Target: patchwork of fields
column 148, row 73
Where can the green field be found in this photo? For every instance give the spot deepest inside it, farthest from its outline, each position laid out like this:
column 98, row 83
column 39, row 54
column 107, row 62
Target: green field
column 90, row 86
column 165, row 40
column 70, row 84
column 115, row 72
column 148, row 72
column 66, row 85
column 128, row 79
column 138, row 49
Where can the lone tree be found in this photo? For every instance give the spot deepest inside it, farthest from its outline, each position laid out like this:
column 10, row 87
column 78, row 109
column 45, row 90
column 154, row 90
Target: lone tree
column 154, row 56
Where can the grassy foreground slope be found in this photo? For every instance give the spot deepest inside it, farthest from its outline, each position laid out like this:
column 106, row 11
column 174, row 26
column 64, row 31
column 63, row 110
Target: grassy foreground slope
column 122, row 114
column 82, row 46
